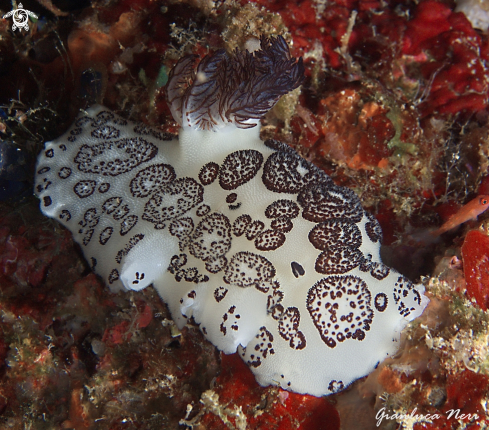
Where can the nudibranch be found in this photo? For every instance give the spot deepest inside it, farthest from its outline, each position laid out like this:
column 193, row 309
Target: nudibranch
column 260, row 247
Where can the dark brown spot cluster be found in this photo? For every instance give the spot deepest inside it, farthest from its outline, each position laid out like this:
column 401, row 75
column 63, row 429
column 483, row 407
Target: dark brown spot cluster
column 208, row 173
column 253, row 229
column 64, row 173
column 144, row 130
column 239, row 167
column 269, row 240
column 240, row 224
column 202, row 210
column 263, row 347
column 273, row 302
column 373, row 229
column 133, row 241
column 217, row 264
column 287, row 172
column 88, row 224
column 174, row 199
column 282, row 209
column 105, row 235
column 404, row 293
column 335, row 386
column 220, row 293
column 323, row 201
column 127, row 224
column 230, row 320
column 105, row 132
column 151, row 178
column 211, row 238
column 335, row 232
column 381, row 301
column 246, row 269
column 379, row 270
column 288, row 328
column 339, row 240
column 84, row 189
column 182, row 228
column 123, row 155
column 65, row 215
column 338, row 260
column 187, row 274
column 113, row 276
column 340, row 307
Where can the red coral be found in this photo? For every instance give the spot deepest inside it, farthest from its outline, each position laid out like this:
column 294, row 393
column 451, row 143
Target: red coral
column 465, row 391
column 475, row 252
column 264, row 407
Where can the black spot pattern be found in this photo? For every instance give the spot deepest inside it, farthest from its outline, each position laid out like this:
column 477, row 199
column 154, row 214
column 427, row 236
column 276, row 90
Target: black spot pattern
column 88, row 224
column 110, row 205
column 288, row 172
column 263, row 347
column 43, row 170
column 105, row 235
column 405, row 296
column 65, row 215
column 335, row 386
column 340, row 308
column 253, row 229
column 187, row 274
column 174, row 199
column 127, row 224
column 208, row 173
column 124, row 155
column 220, row 293
column 282, row 208
column 64, row 172
column 338, row 260
column 114, row 276
column 106, row 132
column 321, row 202
column 239, row 167
column 335, row 232
column 203, row 210
column 144, row 130
column 182, row 228
column 240, row 224
column 373, row 229
column 273, row 303
column 211, row 238
column 230, row 321
column 216, row 265
column 151, row 178
column 120, row 212
column 277, row 145
column 381, row 301
column 246, row 269
column 231, row 198
column 379, row 271
column 103, row 188
column 133, row 241
column 282, row 224
column 288, row 328
column 84, row 189
column 269, row 240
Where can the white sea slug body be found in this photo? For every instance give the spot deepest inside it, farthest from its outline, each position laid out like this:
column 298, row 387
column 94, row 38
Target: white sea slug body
column 255, row 243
